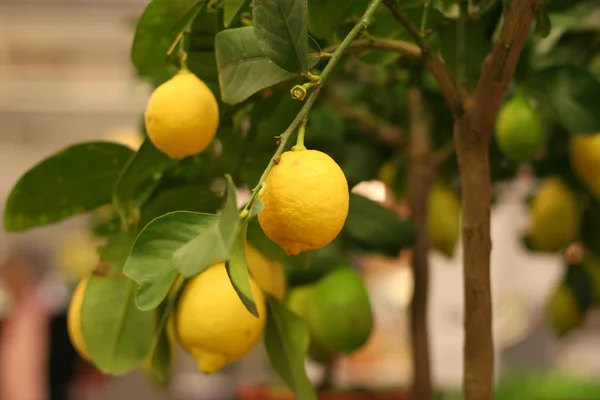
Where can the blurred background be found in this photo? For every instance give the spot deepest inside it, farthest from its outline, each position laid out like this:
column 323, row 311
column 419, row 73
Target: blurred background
column 65, row 77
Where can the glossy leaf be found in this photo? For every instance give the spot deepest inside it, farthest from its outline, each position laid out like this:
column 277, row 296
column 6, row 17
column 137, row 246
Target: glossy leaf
column 77, row 179
column 231, row 9
column 286, row 340
column 370, row 227
column 157, row 30
column 244, row 69
column 281, row 31
column 117, row 334
column 139, row 179
column 151, row 264
column 237, row 269
column 542, row 22
column 324, row 17
column 575, row 94
column 116, row 250
column 160, row 359
column 230, row 218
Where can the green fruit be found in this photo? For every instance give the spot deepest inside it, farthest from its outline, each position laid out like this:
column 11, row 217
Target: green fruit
column 591, row 263
column 584, row 153
column 300, row 300
column 555, row 216
column 443, row 219
column 562, row 311
column 519, row 129
column 340, row 315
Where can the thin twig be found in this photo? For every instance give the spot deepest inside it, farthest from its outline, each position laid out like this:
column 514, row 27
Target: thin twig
column 312, row 97
column 399, row 15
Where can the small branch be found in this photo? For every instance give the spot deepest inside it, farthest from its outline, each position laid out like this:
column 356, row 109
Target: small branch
column 424, row 17
column 312, row 97
column 435, row 65
column 398, row 46
column 420, row 174
column 499, row 67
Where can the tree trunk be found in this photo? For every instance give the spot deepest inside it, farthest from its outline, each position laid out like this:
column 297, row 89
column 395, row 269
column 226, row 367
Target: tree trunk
column 420, row 175
column 472, row 149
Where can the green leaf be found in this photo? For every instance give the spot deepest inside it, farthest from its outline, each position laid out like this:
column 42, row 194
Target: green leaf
column 237, row 269
column 230, row 218
column 257, row 207
column 116, row 250
column 575, row 94
column 117, row 334
column 157, row 30
column 151, row 263
column 179, row 198
column 160, row 359
column 77, row 179
column 286, row 340
column 542, row 22
column 244, row 69
column 280, row 28
column 324, row 17
column 371, row 227
column 139, row 179
column 232, row 9
column 207, row 248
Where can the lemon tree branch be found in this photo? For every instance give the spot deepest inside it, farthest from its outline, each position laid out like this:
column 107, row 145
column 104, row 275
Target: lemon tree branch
column 312, row 97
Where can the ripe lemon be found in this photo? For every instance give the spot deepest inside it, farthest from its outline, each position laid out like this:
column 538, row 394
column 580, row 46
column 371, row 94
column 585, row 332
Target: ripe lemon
column 443, row 219
column 306, row 201
column 519, row 129
column 267, row 274
column 555, row 216
column 182, row 116
column 212, row 323
column 74, row 320
column 585, row 160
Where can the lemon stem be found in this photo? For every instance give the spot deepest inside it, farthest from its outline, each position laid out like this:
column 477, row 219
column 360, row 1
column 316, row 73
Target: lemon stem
column 312, row 97
column 300, row 139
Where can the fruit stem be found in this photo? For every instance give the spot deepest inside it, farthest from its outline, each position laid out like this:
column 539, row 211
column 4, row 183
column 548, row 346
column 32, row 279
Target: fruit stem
column 312, row 97
column 300, row 139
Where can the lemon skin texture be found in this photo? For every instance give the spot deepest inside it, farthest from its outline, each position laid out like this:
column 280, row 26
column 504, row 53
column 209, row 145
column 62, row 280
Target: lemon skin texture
column 182, row 116
column 268, row 274
column 519, row 129
column 585, row 160
column 555, row 216
column 74, row 319
column 306, row 201
column 212, row 323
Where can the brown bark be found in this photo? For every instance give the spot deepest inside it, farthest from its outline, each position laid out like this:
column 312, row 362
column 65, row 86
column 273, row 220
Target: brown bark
column 420, row 175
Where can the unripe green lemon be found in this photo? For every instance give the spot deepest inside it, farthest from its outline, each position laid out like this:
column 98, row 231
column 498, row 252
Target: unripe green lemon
column 562, row 311
column 519, row 129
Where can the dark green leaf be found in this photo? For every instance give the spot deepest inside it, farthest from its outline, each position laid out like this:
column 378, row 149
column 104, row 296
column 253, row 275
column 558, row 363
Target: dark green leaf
column 542, row 22
column 237, row 269
column 230, row 218
column 180, row 198
column 74, row 180
column 207, row 248
column 151, row 262
column 157, row 30
column 287, row 339
column 232, row 9
column 244, row 69
column 117, row 334
column 139, row 179
column 116, row 250
column 575, row 94
column 325, row 16
column 160, row 358
column 374, row 228
column 203, row 64
column 280, row 28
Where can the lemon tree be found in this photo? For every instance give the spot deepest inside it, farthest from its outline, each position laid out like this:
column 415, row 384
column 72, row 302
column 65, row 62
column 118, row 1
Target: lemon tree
column 296, row 102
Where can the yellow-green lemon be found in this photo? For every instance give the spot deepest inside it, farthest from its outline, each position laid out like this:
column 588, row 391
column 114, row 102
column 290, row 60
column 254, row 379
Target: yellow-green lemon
column 268, row 274
column 212, row 323
column 443, row 219
column 182, row 116
column 585, row 160
column 555, row 216
column 306, row 201
column 519, row 129
column 74, row 319
column 562, row 311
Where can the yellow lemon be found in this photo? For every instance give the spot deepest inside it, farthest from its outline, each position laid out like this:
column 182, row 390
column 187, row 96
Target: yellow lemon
column 443, row 219
column 74, row 319
column 212, row 323
column 267, row 274
column 306, row 201
column 585, row 160
column 182, row 116
column 555, row 217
